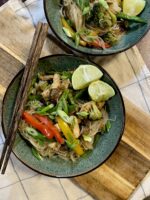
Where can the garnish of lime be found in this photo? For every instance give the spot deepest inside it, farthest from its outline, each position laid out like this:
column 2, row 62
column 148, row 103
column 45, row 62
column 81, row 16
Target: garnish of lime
column 133, row 7
column 84, row 75
column 100, row 91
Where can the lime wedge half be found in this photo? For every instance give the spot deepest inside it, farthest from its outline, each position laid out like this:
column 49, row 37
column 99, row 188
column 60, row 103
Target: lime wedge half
column 133, row 7
column 84, row 75
column 100, row 91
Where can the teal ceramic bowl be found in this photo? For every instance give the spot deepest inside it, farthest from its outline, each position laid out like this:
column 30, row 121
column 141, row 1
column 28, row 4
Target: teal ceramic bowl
column 104, row 145
column 130, row 38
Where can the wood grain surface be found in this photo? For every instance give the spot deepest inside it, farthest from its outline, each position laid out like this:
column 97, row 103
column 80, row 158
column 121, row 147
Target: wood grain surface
column 128, row 165
column 123, row 171
column 144, row 48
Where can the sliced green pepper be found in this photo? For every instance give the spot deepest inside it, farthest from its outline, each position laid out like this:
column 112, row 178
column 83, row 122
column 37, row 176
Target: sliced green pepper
column 43, row 110
column 122, row 15
column 36, row 154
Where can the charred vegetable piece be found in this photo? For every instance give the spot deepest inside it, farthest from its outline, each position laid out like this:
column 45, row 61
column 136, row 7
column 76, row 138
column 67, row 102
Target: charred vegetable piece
column 69, row 136
column 110, row 38
column 100, row 17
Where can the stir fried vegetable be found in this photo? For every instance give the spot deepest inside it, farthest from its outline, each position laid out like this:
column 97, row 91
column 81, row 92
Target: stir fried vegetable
column 71, row 140
column 130, row 18
column 66, row 123
column 44, row 120
column 97, row 23
column 31, row 120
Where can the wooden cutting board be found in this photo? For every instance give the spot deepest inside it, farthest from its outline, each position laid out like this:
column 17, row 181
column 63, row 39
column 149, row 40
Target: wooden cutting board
column 122, row 172
column 120, row 175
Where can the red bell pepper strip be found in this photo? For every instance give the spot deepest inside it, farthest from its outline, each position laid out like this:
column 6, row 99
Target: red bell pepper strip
column 46, row 121
column 97, row 43
column 31, row 120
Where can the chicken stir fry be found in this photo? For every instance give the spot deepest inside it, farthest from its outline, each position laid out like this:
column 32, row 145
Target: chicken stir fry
column 61, row 121
column 95, row 23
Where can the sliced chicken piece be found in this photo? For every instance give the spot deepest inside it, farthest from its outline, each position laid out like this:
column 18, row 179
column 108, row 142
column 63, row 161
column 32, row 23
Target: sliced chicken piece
column 46, row 77
column 56, row 90
column 65, row 84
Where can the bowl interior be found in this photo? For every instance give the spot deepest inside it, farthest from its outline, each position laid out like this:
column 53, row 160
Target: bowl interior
column 104, row 145
column 130, row 38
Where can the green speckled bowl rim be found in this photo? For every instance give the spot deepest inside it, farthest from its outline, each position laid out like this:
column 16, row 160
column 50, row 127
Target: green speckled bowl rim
column 101, row 53
column 123, row 121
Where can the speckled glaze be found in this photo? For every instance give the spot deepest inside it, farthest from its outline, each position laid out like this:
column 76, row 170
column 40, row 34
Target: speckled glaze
column 104, row 145
column 136, row 32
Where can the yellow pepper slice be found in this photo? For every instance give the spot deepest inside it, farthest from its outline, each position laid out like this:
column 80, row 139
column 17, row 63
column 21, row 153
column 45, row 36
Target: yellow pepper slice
column 71, row 31
column 66, row 25
column 69, row 135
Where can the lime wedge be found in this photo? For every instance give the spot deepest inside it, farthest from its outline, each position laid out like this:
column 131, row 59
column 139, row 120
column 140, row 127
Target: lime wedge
column 84, row 75
column 100, row 91
column 133, row 7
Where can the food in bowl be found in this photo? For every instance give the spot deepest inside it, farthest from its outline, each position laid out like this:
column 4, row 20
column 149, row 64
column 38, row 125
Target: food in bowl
column 65, row 111
column 104, row 144
column 99, row 23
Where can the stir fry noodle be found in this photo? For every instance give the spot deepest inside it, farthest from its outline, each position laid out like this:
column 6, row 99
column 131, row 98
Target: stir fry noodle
column 63, row 116
column 96, row 23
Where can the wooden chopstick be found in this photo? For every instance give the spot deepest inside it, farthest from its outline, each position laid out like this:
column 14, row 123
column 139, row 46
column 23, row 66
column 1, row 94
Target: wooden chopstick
column 23, row 81
column 32, row 61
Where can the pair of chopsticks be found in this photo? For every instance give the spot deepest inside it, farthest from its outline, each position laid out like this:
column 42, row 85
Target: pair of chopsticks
column 29, row 70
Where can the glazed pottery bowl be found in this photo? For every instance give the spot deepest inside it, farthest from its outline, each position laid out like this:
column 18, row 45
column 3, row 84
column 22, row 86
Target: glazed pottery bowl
column 131, row 37
column 104, row 144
